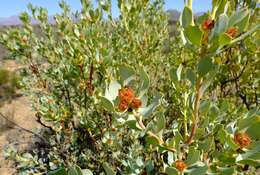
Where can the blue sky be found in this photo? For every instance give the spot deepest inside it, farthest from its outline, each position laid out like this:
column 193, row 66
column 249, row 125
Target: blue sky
column 14, row 7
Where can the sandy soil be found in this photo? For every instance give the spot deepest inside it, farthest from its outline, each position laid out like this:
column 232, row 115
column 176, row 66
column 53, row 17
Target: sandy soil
column 19, row 111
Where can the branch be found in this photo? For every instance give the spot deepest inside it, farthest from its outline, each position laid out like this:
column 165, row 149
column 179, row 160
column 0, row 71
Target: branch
column 195, row 112
column 235, row 78
column 24, row 129
column 90, row 81
column 38, row 119
column 151, row 134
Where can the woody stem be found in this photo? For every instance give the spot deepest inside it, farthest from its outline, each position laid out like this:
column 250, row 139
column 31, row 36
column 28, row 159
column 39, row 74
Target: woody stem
column 195, row 112
column 141, row 124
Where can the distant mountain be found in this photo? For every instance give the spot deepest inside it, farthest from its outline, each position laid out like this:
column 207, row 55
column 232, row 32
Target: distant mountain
column 15, row 21
column 12, row 20
column 174, row 16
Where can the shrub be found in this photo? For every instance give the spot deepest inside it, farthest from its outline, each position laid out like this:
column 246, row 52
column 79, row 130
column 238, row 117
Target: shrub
column 9, row 82
column 118, row 103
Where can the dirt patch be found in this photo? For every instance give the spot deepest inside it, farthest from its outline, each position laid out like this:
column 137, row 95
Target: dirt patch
column 19, row 111
column 11, row 65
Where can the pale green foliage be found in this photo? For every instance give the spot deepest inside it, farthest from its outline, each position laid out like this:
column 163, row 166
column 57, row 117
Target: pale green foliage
column 188, row 112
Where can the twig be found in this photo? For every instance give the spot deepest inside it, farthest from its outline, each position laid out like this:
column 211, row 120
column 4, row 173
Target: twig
column 90, row 81
column 235, row 78
column 38, row 119
column 24, row 129
column 151, row 134
column 242, row 96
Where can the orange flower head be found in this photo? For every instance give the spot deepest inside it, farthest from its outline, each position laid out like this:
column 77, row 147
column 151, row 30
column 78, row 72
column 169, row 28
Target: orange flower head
column 123, row 105
column 126, row 94
column 110, row 141
column 242, row 139
column 232, row 32
column 136, row 103
column 180, row 165
column 208, row 24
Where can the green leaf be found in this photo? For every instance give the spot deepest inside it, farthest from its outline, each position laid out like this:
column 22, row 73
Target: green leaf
column 254, row 163
column 147, row 111
column 160, row 122
column 193, row 157
column 186, row 17
column 199, row 170
column 24, row 17
column 126, row 74
column 228, row 158
column 60, row 171
column 216, row 3
column 177, row 139
column 178, row 72
column 231, row 142
column 205, row 106
column 224, row 39
column 173, row 75
column 171, row 171
column 86, row 172
column 92, row 14
column 139, row 161
column 145, row 82
column 200, row 19
column 132, row 124
column 253, row 153
column 105, row 5
column 112, row 90
column 237, row 17
column 222, row 135
column 227, row 170
column 247, row 121
column 193, row 34
column 151, row 140
column 221, row 25
column 221, row 7
column 191, row 76
column 243, row 24
column 78, row 169
column 108, row 169
column 206, row 145
column 253, row 130
column 149, row 166
column 73, row 171
column 107, row 104
column 205, row 65
column 76, row 32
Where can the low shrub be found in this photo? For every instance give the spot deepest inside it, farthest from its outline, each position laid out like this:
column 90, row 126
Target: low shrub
column 116, row 102
column 9, row 82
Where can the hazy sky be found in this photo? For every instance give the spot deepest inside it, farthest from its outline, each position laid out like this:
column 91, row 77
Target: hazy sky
column 14, row 7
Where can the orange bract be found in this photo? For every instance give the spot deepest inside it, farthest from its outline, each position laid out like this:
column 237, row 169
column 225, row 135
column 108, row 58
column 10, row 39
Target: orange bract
column 242, row 139
column 123, row 105
column 232, row 32
column 126, row 94
column 136, row 103
column 180, row 165
column 127, row 98
column 208, row 24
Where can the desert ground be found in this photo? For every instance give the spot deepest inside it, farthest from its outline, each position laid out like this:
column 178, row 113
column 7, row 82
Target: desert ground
column 17, row 110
